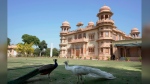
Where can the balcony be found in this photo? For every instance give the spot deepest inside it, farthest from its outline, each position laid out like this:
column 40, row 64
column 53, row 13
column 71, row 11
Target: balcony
column 63, row 48
column 62, row 44
column 62, row 38
column 79, row 40
column 63, row 32
column 102, row 38
column 104, row 45
column 105, row 22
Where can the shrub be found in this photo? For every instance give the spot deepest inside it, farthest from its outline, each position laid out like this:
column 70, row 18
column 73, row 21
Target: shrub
column 108, row 58
column 140, row 58
column 96, row 57
column 127, row 58
column 71, row 57
column 90, row 58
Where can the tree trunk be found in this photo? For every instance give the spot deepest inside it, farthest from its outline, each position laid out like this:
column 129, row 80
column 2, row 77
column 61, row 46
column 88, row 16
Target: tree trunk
column 40, row 54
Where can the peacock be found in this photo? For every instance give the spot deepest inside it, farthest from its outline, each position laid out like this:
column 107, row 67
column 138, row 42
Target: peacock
column 89, row 71
column 43, row 70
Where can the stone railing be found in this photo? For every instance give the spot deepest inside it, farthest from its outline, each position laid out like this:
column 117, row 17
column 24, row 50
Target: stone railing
column 105, row 20
column 79, row 40
column 101, row 38
column 64, row 32
column 63, row 44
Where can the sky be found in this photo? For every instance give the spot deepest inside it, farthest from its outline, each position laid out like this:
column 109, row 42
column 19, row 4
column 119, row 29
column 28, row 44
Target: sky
column 43, row 18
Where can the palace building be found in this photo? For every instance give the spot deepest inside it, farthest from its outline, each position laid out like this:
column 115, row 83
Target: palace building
column 98, row 40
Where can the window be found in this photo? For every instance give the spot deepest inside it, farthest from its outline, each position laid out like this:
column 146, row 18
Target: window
column 101, row 50
column 69, row 39
column 107, row 50
column 84, row 35
column 106, row 16
column 79, row 36
column 91, row 49
column 75, row 36
column 106, row 34
column 91, row 36
column 101, row 16
column 81, row 50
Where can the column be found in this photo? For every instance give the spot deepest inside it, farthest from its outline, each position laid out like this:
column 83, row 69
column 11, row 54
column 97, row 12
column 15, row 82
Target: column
column 98, row 49
column 71, row 51
column 118, row 50
column 125, row 51
column 83, row 49
column 74, row 51
column 104, row 16
column 139, row 52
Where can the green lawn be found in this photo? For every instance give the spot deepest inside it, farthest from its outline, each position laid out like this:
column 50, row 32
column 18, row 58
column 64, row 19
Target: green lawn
column 126, row 72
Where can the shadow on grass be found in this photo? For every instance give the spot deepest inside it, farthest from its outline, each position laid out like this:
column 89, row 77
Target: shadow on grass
column 24, row 67
column 60, row 75
column 138, row 67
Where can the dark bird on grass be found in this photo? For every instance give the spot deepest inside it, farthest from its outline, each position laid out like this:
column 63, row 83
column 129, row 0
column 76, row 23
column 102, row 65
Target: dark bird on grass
column 43, row 70
column 79, row 71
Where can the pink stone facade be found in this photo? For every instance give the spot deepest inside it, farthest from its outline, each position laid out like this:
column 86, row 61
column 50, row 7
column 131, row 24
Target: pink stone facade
column 93, row 41
column 11, row 52
column 132, row 52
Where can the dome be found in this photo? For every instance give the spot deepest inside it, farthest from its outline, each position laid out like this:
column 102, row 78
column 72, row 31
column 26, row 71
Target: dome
column 91, row 23
column 65, row 23
column 105, row 8
column 134, row 30
column 79, row 24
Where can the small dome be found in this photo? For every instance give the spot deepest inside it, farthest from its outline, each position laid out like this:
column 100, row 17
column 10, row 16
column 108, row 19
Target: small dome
column 134, row 30
column 104, row 8
column 65, row 23
column 91, row 23
column 79, row 24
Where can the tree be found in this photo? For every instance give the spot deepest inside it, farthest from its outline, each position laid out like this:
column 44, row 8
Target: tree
column 55, row 52
column 20, row 49
column 29, row 39
column 25, row 49
column 42, row 45
column 37, row 51
column 28, row 48
column 47, row 52
column 8, row 41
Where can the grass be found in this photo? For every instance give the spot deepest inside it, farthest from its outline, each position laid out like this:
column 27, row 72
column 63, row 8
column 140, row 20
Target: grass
column 126, row 72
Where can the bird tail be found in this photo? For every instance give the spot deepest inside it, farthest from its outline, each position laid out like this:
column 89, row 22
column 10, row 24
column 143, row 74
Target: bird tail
column 97, row 73
column 25, row 77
